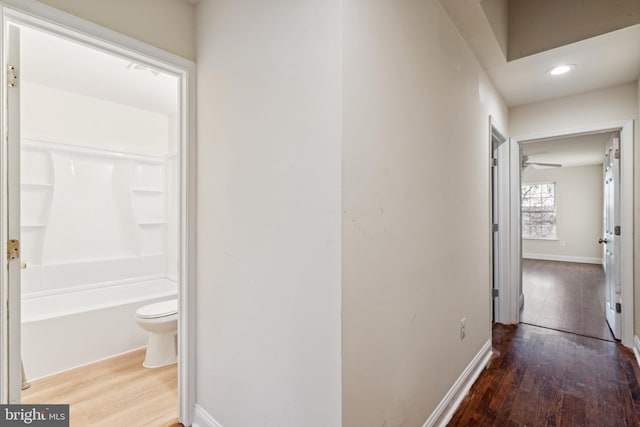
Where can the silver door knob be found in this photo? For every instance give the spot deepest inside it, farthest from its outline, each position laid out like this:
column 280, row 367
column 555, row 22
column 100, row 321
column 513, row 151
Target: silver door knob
column 602, row 241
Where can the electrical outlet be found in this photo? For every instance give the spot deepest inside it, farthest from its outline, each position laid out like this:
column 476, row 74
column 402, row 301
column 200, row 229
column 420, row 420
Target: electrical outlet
column 463, row 328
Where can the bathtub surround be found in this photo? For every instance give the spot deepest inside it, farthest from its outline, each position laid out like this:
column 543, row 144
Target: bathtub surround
column 90, row 217
column 99, row 178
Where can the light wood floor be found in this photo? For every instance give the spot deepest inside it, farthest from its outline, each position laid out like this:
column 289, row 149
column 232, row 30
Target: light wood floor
column 566, row 296
column 114, row 392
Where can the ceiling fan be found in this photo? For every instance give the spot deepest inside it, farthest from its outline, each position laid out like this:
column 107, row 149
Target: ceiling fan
column 526, row 163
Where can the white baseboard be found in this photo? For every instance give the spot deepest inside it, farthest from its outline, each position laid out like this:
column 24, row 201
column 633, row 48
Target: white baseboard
column 202, row 418
column 636, row 348
column 565, row 258
column 447, row 407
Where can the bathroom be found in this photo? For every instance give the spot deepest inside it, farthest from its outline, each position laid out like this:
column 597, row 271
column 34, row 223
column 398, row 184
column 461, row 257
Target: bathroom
column 100, row 194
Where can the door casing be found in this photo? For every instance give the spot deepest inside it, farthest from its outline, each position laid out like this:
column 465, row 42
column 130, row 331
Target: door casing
column 46, row 18
column 512, row 299
column 499, row 215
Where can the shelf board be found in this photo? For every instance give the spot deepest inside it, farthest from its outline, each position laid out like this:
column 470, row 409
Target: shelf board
column 32, row 225
column 36, row 184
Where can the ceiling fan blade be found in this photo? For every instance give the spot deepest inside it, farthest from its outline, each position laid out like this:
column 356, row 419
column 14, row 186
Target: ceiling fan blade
column 549, row 165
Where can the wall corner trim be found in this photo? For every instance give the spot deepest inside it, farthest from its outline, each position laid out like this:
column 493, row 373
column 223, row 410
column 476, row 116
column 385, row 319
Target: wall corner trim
column 449, row 404
column 203, row 419
column 636, row 348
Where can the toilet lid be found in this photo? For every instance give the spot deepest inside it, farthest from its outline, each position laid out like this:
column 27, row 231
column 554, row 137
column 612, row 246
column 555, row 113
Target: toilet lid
column 158, row 309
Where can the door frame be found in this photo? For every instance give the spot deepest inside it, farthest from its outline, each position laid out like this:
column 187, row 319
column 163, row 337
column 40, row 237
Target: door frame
column 52, row 20
column 626, row 129
column 499, row 238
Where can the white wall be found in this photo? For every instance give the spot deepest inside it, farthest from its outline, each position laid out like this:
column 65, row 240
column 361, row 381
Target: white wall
column 269, row 167
column 579, row 209
column 53, row 115
column 167, row 24
column 416, row 242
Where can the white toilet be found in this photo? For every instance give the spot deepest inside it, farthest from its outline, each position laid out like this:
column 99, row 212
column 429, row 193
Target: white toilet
column 160, row 320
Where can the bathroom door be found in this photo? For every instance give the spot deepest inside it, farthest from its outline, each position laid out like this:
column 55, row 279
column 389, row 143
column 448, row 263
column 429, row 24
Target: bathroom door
column 12, row 363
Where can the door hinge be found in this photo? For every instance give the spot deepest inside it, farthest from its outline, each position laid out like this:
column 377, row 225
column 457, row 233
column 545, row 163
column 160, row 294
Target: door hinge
column 616, row 147
column 494, row 162
column 618, row 307
column 13, row 249
column 495, row 292
column 616, row 230
column 495, row 227
column 12, row 76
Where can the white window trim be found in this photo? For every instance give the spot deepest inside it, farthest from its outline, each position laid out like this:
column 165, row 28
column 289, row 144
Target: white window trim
column 555, row 209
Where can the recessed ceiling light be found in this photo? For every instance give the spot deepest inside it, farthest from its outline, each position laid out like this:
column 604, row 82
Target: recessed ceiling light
column 561, row 69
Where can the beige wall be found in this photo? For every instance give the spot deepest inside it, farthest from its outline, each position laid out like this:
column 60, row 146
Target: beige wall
column 571, row 112
column 578, row 214
column 497, row 13
column 167, row 24
column 536, row 26
column 415, row 210
column 269, row 160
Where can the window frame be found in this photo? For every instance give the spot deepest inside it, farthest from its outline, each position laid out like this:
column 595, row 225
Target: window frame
column 551, row 237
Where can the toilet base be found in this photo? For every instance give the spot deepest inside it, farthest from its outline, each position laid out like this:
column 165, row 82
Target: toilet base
column 161, row 350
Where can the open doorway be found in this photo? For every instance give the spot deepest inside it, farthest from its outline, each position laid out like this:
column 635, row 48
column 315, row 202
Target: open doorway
column 98, row 208
column 621, row 299
column 563, row 224
column 98, row 225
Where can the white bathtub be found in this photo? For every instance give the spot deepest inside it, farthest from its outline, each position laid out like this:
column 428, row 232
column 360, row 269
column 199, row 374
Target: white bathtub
column 64, row 331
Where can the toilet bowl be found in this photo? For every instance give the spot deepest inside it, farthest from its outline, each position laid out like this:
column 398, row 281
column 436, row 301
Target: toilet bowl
column 160, row 320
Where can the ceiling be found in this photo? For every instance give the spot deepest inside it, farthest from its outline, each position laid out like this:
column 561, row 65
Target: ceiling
column 62, row 64
column 570, row 151
column 602, row 61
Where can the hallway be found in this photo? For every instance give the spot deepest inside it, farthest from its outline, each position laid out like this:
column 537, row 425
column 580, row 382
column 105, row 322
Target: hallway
column 566, row 296
column 542, row 377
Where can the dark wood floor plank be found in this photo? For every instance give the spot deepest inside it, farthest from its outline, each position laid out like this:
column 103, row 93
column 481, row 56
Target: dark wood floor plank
column 544, row 377
column 565, row 296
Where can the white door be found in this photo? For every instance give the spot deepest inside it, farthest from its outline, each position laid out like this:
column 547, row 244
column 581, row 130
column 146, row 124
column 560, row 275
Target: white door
column 12, row 288
column 611, row 239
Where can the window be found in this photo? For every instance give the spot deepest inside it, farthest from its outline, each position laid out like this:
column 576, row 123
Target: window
column 539, row 211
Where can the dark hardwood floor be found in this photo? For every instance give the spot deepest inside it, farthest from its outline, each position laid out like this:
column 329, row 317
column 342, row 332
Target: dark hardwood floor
column 565, row 296
column 543, row 377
